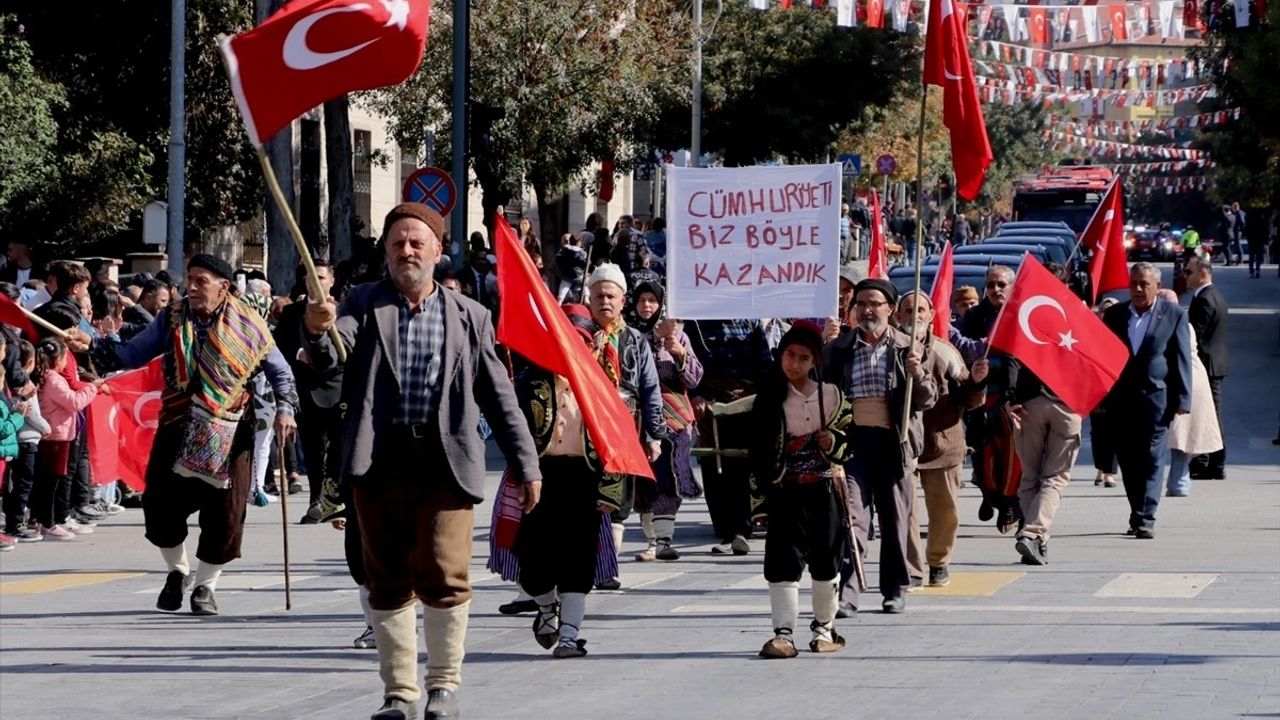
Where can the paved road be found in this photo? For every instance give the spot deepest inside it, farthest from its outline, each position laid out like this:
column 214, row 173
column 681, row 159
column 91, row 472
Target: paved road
column 1187, row 626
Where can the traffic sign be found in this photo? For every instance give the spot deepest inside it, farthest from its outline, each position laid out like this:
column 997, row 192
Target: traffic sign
column 850, row 165
column 886, row 164
column 432, row 187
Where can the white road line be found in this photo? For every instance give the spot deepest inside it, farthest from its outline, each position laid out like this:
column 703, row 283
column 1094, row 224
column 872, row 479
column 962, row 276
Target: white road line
column 762, row 608
column 1157, row 585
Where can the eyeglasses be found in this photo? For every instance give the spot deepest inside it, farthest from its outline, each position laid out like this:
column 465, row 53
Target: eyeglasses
column 997, row 284
column 869, row 304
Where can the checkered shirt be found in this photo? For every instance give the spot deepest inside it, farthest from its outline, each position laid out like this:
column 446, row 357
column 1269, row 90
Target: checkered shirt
column 421, row 355
column 869, row 370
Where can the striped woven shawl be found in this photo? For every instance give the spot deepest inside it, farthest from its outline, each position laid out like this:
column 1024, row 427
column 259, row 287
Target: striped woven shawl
column 220, row 367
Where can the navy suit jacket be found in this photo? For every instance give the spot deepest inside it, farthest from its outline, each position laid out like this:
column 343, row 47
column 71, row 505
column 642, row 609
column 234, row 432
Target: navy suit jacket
column 1156, row 382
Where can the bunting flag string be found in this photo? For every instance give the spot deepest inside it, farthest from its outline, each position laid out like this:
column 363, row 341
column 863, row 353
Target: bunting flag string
column 1116, row 98
column 1168, row 185
column 1107, row 148
column 1146, row 168
column 1110, row 75
column 1093, row 127
column 1042, row 22
column 1166, row 71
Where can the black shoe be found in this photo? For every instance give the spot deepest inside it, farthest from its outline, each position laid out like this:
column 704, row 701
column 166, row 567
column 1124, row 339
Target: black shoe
column 610, row 584
column 396, row 709
column 1144, row 533
column 986, row 512
column 518, row 607
column 295, row 488
column 939, row 577
column 894, row 605
column 271, row 489
column 202, row 601
column 175, row 587
column 915, row 584
column 312, row 515
column 441, row 705
column 1029, row 549
column 846, row 610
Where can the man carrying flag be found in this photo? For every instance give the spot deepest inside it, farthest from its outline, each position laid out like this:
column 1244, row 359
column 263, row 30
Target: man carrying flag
column 420, row 368
column 1063, row 362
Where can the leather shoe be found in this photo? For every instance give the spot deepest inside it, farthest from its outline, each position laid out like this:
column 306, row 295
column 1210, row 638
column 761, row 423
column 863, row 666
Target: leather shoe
column 395, row 709
column 441, row 705
column 1143, row 533
column 894, row 605
column 518, row 607
column 175, row 586
column 846, row 610
column 202, row 602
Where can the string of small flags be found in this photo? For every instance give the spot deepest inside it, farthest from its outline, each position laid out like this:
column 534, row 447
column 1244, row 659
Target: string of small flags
column 1147, row 168
column 1169, row 185
column 1117, row 98
column 1089, row 127
column 1107, row 148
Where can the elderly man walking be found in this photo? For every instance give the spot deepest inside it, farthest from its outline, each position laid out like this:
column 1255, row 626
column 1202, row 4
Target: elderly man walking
column 1154, row 387
column 420, row 368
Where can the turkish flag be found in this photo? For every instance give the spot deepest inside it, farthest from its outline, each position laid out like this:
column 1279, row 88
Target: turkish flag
column 1109, row 268
column 878, row 257
column 311, row 51
column 12, row 314
column 940, row 294
column 1039, row 21
column 532, row 324
column 1119, row 23
column 122, row 426
column 946, row 64
column 875, row 13
column 1045, row 326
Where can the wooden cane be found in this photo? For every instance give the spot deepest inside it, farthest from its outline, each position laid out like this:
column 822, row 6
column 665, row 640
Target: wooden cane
column 283, row 485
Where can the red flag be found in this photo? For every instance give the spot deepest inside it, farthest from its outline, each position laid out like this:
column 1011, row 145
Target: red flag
column 940, row 295
column 875, row 13
column 532, row 324
column 878, row 257
column 311, row 51
column 1039, row 21
column 11, row 314
column 947, row 65
column 1109, row 268
column 1044, row 325
column 1119, row 23
column 122, row 426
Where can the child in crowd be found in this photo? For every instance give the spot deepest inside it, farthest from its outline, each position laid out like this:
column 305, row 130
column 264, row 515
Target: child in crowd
column 22, row 470
column 11, row 418
column 59, row 405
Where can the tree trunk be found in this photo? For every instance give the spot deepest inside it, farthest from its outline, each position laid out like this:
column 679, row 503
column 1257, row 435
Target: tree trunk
column 282, row 255
column 337, row 148
column 548, row 227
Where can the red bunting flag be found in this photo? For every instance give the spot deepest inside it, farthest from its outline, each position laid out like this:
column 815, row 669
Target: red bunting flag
column 12, row 314
column 311, row 51
column 940, row 294
column 532, row 324
column 947, row 65
column 1046, row 327
column 1109, row 268
column 878, row 257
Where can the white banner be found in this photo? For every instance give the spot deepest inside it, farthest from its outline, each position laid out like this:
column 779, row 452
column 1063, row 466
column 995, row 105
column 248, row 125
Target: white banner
column 753, row 242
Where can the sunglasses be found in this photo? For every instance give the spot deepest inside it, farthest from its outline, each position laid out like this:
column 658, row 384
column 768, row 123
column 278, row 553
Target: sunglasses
column 996, row 284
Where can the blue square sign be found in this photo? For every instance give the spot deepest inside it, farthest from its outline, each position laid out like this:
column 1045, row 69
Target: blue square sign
column 850, row 165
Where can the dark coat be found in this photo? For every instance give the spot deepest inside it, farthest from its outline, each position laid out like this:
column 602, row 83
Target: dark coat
column 1156, row 382
column 472, row 380
column 323, row 389
column 1208, row 316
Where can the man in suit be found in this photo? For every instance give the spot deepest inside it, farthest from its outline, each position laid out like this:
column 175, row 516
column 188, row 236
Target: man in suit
column 420, row 368
column 1154, row 387
column 1208, row 316
column 319, row 395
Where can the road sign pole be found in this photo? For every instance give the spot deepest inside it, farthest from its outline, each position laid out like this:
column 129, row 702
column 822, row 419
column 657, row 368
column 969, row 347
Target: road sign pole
column 461, row 86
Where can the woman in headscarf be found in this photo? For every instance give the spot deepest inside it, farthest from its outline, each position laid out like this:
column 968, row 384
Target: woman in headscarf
column 678, row 372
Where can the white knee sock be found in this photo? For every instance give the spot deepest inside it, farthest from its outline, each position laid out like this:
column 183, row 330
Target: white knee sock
column 784, row 604
column 176, row 558
column 617, row 536
column 364, row 606
column 573, row 608
column 825, row 601
column 521, row 595
column 664, row 527
column 207, row 574
column 445, row 630
column 646, row 524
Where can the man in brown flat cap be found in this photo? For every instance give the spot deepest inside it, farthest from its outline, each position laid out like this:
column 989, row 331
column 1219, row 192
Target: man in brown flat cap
column 420, row 369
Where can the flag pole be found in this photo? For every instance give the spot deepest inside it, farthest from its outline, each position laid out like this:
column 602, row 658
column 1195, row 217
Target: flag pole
column 62, row 334
column 915, row 298
column 313, row 279
column 987, row 341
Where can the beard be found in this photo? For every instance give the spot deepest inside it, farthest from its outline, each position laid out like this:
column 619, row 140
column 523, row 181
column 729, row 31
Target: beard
column 875, row 326
column 410, row 277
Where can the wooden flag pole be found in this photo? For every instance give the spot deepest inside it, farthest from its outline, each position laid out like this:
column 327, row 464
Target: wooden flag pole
column 45, row 324
column 915, row 298
column 313, row 279
column 283, row 485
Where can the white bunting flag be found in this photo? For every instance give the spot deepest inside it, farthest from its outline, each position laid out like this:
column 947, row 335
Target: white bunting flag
column 1010, row 13
column 1091, row 31
column 1242, row 13
column 846, row 16
column 759, row 4
column 1166, row 19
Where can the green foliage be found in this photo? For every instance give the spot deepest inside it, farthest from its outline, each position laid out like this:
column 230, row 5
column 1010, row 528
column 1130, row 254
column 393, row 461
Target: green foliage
column 1018, row 147
column 28, row 130
column 1246, row 152
column 785, row 83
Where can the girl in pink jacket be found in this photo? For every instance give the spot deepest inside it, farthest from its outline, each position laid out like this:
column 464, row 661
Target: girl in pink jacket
column 60, row 406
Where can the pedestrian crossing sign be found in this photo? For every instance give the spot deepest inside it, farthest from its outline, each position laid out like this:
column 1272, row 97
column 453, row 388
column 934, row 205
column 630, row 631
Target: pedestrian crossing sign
column 850, row 165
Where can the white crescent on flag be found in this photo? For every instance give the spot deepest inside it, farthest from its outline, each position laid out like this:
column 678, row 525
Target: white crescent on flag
column 1024, row 315
column 298, row 55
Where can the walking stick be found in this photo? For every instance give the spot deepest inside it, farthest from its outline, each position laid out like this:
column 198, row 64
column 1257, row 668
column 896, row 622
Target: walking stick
column 283, row 484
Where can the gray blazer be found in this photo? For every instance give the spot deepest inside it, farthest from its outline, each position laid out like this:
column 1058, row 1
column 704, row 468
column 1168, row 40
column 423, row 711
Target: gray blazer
column 472, row 380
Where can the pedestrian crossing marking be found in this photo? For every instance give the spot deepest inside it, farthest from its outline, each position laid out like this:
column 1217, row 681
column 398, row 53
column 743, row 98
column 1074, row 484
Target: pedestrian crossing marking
column 972, row 584
column 1157, row 585
column 61, row 581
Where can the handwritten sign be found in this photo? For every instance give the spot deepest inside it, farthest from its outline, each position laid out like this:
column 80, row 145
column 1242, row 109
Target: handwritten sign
column 753, row 242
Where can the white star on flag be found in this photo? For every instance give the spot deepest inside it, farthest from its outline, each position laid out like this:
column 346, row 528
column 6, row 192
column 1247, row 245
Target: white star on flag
column 1065, row 340
column 399, row 10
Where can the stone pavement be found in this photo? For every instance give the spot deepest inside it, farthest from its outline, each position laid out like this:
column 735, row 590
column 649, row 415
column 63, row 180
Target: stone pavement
column 1186, row 626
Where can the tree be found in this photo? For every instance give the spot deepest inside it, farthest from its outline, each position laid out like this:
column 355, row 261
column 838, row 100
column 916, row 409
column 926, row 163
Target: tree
column 1246, row 153
column 561, row 85
column 895, row 129
column 28, row 131
column 786, row 82
column 340, row 172
column 1015, row 132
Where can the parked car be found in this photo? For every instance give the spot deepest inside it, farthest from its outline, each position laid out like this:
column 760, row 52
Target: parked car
column 1151, row 244
column 903, row 277
column 1043, row 253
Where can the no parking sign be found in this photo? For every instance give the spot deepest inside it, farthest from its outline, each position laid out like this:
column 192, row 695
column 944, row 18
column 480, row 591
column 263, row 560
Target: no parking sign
column 432, row 187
